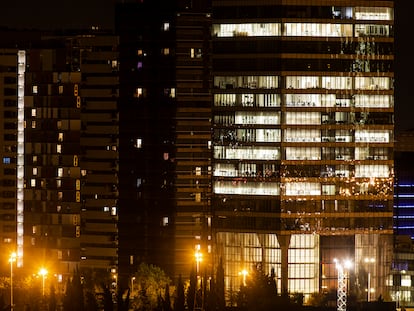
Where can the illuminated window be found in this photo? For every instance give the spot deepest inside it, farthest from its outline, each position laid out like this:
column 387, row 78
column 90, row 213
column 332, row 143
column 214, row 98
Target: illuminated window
column 139, row 92
column 114, row 64
column 58, row 208
column 140, row 52
column 59, row 124
column 78, row 102
column 78, row 184
column 83, row 172
column 198, row 197
column 75, row 160
column 60, row 89
column 165, row 51
column 6, row 160
column 138, row 143
column 33, row 182
column 60, row 172
column 198, row 170
column 78, row 196
column 35, row 89
column 34, row 229
column 113, row 210
column 106, row 209
column 33, row 112
column 196, row 53
column 33, row 124
column 7, row 240
column 166, row 26
column 60, row 137
column 34, row 171
column 165, row 221
column 58, row 183
column 75, row 90
column 58, row 148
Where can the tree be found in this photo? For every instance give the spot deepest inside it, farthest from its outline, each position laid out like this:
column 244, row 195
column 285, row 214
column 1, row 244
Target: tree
column 191, row 291
column 219, row 286
column 107, row 299
column 179, row 301
column 151, row 282
column 260, row 292
column 52, row 298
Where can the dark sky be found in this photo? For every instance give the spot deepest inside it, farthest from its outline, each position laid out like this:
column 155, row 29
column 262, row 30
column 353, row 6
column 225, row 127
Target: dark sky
column 57, row 14
column 63, row 14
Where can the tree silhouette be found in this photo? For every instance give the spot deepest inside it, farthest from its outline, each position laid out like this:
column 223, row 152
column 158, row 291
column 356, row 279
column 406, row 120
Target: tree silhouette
column 107, row 299
column 219, row 288
column 179, row 302
column 191, row 292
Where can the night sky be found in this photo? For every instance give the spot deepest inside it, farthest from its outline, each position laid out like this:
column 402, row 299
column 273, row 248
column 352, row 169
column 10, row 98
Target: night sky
column 78, row 14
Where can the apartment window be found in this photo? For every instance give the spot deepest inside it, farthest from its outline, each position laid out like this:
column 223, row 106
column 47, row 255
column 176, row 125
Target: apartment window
column 198, row 170
column 34, row 159
column 60, row 172
column 60, row 137
column 33, row 182
column 78, row 102
column 166, row 26
column 33, row 112
column 58, row 148
column 58, row 183
column 35, row 89
column 34, row 171
column 166, row 156
column 6, row 160
column 60, row 89
column 198, row 197
column 83, row 173
column 139, row 65
column 75, row 90
column 106, row 209
column 113, row 211
column 138, row 143
column 114, row 64
column 140, row 52
column 165, row 221
column 78, row 196
column 165, row 51
column 78, row 184
column 139, row 92
column 7, row 240
column 33, row 124
column 196, row 53
column 75, row 160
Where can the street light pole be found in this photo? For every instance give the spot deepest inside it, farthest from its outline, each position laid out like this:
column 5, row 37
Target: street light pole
column 342, row 284
column 12, row 259
column 43, row 273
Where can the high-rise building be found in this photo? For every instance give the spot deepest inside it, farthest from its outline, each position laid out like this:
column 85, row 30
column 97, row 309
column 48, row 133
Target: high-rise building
column 60, row 155
column 303, row 141
column 165, row 134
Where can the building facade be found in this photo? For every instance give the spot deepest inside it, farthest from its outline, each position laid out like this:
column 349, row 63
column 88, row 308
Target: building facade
column 303, row 141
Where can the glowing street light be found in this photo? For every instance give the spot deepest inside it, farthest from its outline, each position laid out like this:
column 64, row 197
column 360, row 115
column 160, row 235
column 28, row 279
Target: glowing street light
column 43, row 273
column 369, row 261
column 244, row 273
column 342, row 285
column 132, row 286
column 13, row 258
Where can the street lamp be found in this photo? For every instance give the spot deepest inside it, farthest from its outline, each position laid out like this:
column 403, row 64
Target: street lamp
column 369, row 261
column 43, row 273
column 132, row 285
column 198, row 258
column 13, row 257
column 244, row 273
column 342, row 285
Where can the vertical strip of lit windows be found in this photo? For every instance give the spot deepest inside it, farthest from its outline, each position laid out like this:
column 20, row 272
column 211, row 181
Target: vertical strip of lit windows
column 20, row 154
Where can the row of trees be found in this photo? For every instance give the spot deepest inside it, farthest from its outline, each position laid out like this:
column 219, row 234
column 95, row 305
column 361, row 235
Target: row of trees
column 152, row 290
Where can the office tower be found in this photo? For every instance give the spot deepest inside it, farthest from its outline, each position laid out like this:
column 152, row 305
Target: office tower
column 165, row 130
column 303, row 141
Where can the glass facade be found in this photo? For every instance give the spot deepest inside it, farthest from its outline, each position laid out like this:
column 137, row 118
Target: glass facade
column 302, row 140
